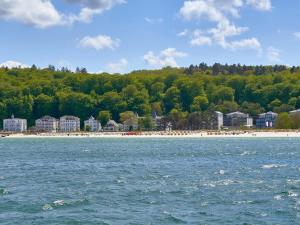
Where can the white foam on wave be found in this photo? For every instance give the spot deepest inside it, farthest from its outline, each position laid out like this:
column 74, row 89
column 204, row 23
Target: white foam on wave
column 292, row 194
column 47, row 207
column 278, row 197
column 248, row 153
column 293, row 182
column 271, row 166
column 263, row 214
column 59, row 202
column 227, row 182
column 222, row 172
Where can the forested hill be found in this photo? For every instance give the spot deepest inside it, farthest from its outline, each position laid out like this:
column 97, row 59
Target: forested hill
column 32, row 93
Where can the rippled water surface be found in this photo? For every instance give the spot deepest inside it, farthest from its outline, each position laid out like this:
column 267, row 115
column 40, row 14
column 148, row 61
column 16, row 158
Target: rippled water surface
column 149, row 181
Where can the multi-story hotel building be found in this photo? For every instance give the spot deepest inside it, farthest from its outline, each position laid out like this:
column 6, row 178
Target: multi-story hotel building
column 47, row 124
column 69, row 124
column 14, row 124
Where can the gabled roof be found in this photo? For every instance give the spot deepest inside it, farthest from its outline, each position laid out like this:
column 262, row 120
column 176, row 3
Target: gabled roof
column 112, row 123
column 268, row 113
column 295, row 111
column 238, row 113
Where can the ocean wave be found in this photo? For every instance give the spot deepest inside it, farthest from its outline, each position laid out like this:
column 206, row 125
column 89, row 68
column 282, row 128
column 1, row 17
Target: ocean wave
column 271, row 166
column 292, row 194
column 59, row 203
column 172, row 218
column 248, row 153
column 47, row 207
column 62, row 203
column 219, row 183
column 278, row 197
column 3, row 191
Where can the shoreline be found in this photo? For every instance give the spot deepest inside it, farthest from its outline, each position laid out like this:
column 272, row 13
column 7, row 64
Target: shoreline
column 173, row 134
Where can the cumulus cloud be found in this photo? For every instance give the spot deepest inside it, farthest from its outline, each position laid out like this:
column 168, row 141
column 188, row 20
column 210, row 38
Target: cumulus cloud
column 263, row 5
column 183, row 33
column 13, row 64
column 251, row 43
column 99, row 42
column 91, row 8
column 165, row 58
column 224, row 30
column 220, row 13
column 39, row 13
column 273, row 54
column 201, row 40
column 213, row 10
column 118, row 67
column 43, row 14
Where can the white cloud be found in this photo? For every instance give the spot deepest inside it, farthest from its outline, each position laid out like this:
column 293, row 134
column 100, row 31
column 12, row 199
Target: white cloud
column 43, row 14
column 251, row 43
column 201, row 40
column 273, row 54
column 200, row 8
column 154, row 20
column 166, row 57
column 224, row 30
column 39, row 13
column 219, row 12
column 297, row 35
column 118, row 67
column 263, row 5
column 13, row 64
column 99, row 42
column 183, row 33
column 91, row 8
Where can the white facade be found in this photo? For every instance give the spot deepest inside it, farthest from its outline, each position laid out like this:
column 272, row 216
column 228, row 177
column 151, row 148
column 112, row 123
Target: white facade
column 47, row 123
column 14, row 124
column 69, row 124
column 112, row 126
column 93, row 124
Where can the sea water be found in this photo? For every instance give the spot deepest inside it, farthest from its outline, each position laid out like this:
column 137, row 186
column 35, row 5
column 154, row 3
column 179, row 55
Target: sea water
column 150, row 181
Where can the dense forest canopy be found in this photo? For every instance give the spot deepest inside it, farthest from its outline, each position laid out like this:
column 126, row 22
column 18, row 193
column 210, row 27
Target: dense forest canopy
column 176, row 92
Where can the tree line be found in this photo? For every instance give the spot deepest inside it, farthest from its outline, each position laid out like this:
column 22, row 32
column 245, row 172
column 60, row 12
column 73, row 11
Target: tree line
column 177, row 93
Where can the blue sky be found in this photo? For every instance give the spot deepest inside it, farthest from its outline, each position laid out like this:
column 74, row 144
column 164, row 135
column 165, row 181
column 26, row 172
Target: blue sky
column 125, row 35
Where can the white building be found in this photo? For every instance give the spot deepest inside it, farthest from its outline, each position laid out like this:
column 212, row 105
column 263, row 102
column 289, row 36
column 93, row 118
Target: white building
column 295, row 112
column 112, row 126
column 92, row 125
column 14, row 124
column 69, row 124
column 47, row 123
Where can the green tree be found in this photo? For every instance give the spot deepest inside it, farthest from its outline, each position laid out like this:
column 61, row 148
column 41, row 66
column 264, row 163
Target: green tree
column 126, row 116
column 222, row 94
column 172, row 99
column 283, row 121
column 44, row 105
column 227, row 107
column 104, row 117
column 200, row 103
column 178, row 119
column 146, row 123
column 251, row 108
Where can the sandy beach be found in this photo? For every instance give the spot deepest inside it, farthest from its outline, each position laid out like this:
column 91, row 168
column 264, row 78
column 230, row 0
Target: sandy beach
column 173, row 134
